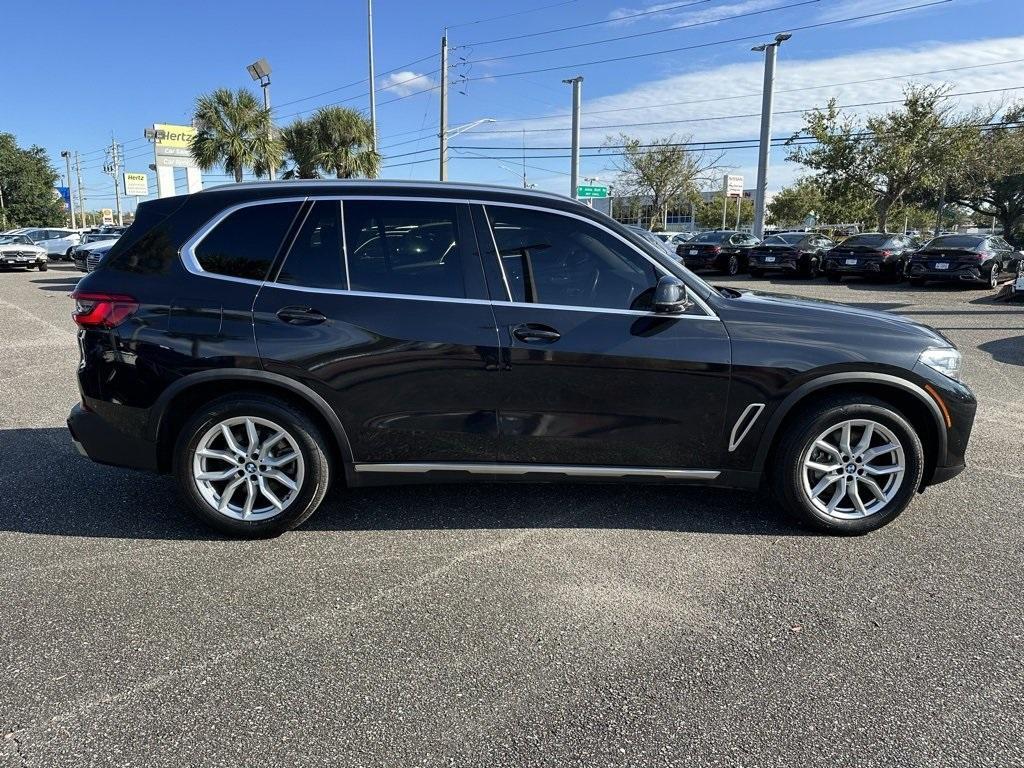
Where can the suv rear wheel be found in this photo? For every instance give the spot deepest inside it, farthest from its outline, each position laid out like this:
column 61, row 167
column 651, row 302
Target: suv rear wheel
column 251, row 466
column 848, row 465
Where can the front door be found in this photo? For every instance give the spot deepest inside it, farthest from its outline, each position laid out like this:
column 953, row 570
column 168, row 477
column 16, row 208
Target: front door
column 387, row 318
column 591, row 375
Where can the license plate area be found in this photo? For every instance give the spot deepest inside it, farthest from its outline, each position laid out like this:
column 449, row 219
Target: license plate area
column 851, row 262
column 942, row 265
column 769, row 259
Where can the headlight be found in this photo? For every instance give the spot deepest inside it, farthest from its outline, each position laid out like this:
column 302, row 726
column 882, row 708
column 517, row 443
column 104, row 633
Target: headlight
column 945, row 360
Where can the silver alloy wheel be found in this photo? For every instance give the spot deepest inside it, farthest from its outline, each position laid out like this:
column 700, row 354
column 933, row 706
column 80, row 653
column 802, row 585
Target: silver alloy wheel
column 853, row 469
column 248, row 468
column 993, row 276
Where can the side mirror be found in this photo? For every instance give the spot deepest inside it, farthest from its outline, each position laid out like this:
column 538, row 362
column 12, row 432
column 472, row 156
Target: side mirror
column 670, row 296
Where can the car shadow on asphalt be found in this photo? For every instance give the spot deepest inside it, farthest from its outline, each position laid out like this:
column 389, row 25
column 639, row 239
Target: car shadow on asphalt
column 68, row 495
column 1010, row 351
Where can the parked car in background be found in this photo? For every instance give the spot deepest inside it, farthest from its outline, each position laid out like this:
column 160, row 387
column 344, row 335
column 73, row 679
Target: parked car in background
column 263, row 342
column 95, row 255
column 90, row 242
column 872, row 254
column 20, row 251
column 984, row 260
column 652, row 238
column 723, row 249
column 799, row 253
column 59, row 243
column 673, row 239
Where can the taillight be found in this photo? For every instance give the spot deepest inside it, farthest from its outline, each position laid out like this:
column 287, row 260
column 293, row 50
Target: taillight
column 102, row 310
column 982, row 255
column 716, row 249
column 886, row 254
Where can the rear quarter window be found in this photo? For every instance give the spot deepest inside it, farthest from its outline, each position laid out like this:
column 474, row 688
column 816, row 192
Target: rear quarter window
column 245, row 243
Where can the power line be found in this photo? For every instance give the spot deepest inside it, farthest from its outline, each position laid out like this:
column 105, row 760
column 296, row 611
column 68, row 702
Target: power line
column 748, row 114
column 523, row 12
column 612, row 60
column 614, row 20
column 716, row 20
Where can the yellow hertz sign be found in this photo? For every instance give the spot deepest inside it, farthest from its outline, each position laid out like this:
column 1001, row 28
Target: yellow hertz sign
column 173, row 136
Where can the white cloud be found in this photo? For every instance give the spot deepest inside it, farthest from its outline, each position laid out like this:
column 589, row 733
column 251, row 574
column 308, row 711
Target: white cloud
column 709, row 96
column 405, row 82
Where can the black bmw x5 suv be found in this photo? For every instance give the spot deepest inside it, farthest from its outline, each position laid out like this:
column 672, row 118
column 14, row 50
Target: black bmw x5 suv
column 263, row 342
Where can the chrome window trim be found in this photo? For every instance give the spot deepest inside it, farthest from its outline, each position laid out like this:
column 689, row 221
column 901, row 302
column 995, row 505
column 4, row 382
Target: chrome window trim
column 710, row 314
column 570, row 470
column 734, row 439
column 187, row 251
column 344, row 245
column 497, row 254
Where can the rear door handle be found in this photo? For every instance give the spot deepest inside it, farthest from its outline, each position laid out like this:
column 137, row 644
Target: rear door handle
column 301, row 316
column 535, row 332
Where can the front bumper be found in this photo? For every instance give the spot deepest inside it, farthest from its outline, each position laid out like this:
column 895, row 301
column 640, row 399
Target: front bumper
column 20, row 261
column 99, row 440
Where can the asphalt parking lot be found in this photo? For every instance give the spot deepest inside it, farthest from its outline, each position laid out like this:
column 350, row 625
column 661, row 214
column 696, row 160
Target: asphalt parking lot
column 507, row 625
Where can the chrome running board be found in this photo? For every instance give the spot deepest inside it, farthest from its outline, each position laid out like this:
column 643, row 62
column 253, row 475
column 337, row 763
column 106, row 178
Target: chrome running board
column 545, row 469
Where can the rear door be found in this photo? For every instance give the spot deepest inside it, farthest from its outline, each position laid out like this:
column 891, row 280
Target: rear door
column 591, row 376
column 380, row 306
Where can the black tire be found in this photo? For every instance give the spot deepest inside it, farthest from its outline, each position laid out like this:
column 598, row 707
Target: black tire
column 991, row 280
column 307, row 436
column 834, row 278
column 43, row 267
column 810, row 270
column 755, row 272
column 787, row 469
column 917, row 282
column 732, row 265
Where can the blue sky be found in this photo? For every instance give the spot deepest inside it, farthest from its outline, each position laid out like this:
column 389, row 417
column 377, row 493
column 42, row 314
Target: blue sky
column 93, row 70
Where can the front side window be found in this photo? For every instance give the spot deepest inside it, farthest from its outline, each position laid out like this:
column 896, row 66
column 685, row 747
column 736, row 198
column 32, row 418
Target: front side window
column 554, row 259
column 404, row 247
column 245, row 243
column 316, row 258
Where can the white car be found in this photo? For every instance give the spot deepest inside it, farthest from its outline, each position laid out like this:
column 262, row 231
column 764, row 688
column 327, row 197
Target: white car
column 58, row 242
column 20, row 251
column 673, row 239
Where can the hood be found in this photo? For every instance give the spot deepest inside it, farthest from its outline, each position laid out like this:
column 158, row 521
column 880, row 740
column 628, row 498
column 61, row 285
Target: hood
column 20, row 247
column 796, row 311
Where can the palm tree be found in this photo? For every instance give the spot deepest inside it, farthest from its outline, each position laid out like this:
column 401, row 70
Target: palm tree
column 344, row 141
column 299, row 140
column 234, row 131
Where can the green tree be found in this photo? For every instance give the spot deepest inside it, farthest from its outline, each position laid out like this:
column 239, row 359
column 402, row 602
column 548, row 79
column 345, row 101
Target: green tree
column 920, row 145
column 300, row 149
column 792, row 204
column 27, row 181
column 708, row 213
column 233, row 131
column 992, row 184
column 664, row 172
column 344, row 143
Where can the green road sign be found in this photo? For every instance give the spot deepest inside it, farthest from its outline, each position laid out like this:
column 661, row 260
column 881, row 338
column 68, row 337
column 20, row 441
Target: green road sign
column 591, row 191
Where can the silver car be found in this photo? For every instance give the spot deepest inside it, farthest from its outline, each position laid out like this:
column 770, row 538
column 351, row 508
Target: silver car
column 20, row 251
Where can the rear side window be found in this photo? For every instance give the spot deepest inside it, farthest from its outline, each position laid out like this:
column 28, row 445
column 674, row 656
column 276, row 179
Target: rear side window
column 316, row 258
column 404, row 247
column 245, row 243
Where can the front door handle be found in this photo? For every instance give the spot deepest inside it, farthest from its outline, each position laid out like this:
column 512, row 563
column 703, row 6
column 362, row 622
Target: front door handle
column 535, row 332
column 301, row 316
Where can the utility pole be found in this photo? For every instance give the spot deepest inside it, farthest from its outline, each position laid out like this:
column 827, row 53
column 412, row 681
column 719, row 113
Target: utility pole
column 443, row 133
column 114, row 169
column 525, row 185
column 81, row 195
column 66, row 154
column 577, row 86
column 942, row 207
column 739, row 207
column 767, row 97
column 373, row 80
column 3, row 210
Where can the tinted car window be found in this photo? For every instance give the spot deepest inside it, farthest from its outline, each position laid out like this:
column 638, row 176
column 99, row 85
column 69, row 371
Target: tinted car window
column 553, row 259
column 868, row 241
column 957, row 241
column 316, row 258
column 245, row 243
column 786, row 239
column 404, row 247
column 712, row 237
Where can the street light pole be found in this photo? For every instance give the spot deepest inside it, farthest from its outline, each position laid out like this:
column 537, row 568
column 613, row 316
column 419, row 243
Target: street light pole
column 260, row 70
column 577, row 85
column 71, row 198
column 767, row 97
column 373, row 80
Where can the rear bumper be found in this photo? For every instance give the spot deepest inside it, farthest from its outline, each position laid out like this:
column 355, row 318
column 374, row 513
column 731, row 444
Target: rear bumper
column 102, row 442
column 783, row 264
column 864, row 269
column 968, row 273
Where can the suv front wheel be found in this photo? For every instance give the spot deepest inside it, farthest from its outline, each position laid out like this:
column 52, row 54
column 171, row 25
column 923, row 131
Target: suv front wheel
column 848, row 465
column 251, row 466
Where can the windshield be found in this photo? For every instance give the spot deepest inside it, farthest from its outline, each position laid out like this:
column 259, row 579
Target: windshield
column 19, row 239
column 871, row 241
column 712, row 237
column 789, row 238
column 957, row 241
